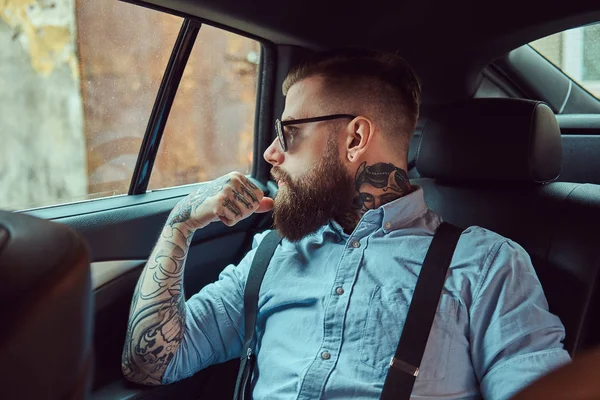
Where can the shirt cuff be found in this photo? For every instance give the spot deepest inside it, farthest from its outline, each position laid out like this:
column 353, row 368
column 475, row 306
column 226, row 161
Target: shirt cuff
column 507, row 378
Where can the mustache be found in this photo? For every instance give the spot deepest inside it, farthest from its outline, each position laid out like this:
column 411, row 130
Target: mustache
column 279, row 174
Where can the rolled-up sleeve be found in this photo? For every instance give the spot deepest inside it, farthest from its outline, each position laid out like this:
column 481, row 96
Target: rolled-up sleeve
column 514, row 338
column 214, row 322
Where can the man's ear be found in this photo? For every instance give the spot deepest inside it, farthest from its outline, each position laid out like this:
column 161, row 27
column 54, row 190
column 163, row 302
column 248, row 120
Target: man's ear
column 359, row 137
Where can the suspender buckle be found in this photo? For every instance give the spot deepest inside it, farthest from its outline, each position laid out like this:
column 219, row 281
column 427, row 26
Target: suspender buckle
column 404, row 367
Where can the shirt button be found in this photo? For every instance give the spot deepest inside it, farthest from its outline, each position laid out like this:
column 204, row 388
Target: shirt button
column 387, row 225
column 325, row 355
column 356, row 244
column 339, row 291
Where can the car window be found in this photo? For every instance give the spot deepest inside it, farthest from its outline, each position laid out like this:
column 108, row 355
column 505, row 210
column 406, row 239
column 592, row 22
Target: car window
column 79, row 81
column 577, row 53
column 210, row 130
column 78, row 85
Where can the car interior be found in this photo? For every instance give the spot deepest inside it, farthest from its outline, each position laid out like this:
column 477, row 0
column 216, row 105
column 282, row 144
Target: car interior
column 505, row 141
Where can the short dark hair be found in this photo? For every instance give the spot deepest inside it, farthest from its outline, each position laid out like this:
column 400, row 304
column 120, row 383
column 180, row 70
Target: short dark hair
column 388, row 78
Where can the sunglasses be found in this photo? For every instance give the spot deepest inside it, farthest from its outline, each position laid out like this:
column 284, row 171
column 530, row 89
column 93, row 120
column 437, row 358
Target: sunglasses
column 279, row 125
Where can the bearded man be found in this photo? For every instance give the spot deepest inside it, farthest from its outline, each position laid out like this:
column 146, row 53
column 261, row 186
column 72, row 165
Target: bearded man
column 334, row 299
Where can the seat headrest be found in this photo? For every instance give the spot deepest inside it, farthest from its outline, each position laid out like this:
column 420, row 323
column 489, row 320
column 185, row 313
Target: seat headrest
column 491, row 140
column 46, row 309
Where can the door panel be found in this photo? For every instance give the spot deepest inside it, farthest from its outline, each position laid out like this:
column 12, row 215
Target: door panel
column 211, row 250
column 206, row 259
column 104, row 272
column 121, row 233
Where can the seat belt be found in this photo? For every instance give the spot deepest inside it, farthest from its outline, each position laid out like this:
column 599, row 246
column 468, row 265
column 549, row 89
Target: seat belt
column 404, row 367
column 262, row 258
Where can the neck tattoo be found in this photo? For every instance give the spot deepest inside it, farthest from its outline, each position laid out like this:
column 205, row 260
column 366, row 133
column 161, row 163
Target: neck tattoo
column 375, row 186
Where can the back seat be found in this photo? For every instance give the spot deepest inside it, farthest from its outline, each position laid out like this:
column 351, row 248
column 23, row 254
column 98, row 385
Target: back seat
column 491, row 162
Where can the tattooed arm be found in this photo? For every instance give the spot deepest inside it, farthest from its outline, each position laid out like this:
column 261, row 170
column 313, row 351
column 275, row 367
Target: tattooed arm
column 157, row 316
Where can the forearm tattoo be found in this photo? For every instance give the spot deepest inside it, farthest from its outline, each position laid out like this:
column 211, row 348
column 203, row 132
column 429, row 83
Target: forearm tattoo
column 157, row 316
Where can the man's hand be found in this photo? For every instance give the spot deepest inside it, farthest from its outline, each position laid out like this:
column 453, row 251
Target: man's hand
column 228, row 199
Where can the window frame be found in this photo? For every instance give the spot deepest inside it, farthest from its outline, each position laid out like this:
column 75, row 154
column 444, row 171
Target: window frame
column 167, row 91
column 528, row 72
column 162, row 105
column 579, row 82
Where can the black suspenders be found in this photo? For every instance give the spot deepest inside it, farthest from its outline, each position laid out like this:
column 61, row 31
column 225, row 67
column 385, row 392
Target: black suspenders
column 404, row 366
column 266, row 248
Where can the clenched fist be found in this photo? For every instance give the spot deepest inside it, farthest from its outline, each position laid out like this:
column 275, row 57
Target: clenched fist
column 228, row 199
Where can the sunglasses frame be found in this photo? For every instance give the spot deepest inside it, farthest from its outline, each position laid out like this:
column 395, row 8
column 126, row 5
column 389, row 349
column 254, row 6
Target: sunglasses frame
column 279, row 125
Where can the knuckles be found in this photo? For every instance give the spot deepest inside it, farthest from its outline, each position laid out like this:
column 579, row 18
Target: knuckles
column 236, row 176
column 237, row 182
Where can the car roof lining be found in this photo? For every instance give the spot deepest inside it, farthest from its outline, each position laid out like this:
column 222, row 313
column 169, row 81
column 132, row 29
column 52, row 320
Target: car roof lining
column 439, row 38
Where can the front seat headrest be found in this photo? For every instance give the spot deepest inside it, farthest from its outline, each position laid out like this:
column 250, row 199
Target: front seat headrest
column 491, row 140
column 46, row 310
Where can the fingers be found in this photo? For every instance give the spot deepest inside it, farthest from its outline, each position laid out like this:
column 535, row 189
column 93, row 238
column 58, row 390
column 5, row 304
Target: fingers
column 233, row 208
column 266, row 204
column 226, row 221
column 251, row 190
column 229, row 199
column 249, row 193
column 239, row 199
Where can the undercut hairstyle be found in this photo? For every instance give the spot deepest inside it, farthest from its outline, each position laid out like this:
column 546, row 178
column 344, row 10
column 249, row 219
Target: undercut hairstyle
column 367, row 81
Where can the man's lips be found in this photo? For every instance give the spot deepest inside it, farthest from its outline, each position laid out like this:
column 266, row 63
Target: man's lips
column 279, row 177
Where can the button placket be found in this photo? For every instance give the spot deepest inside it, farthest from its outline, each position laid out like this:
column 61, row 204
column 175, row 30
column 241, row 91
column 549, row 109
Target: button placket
column 333, row 326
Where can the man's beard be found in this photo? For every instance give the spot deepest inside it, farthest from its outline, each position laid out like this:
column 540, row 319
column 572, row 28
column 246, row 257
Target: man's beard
column 305, row 204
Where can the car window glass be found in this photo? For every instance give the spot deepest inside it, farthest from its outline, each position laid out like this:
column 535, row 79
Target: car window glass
column 78, row 83
column 210, row 130
column 577, row 53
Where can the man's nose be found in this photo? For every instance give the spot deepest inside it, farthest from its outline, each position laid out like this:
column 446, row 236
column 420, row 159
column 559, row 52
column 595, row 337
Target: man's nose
column 273, row 154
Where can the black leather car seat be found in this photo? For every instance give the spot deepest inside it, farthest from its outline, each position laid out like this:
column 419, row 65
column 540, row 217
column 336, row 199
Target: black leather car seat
column 491, row 162
column 45, row 310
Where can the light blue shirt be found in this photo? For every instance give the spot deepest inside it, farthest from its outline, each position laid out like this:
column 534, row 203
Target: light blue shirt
column 332, row 307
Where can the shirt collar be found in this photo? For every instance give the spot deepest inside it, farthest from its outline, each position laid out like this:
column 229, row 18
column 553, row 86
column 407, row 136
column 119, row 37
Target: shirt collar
column 393, row 215
column 403, row 211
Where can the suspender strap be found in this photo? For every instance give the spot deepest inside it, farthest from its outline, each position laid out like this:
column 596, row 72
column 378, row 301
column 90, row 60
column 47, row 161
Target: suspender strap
column 404, row 367
column 262, row 258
